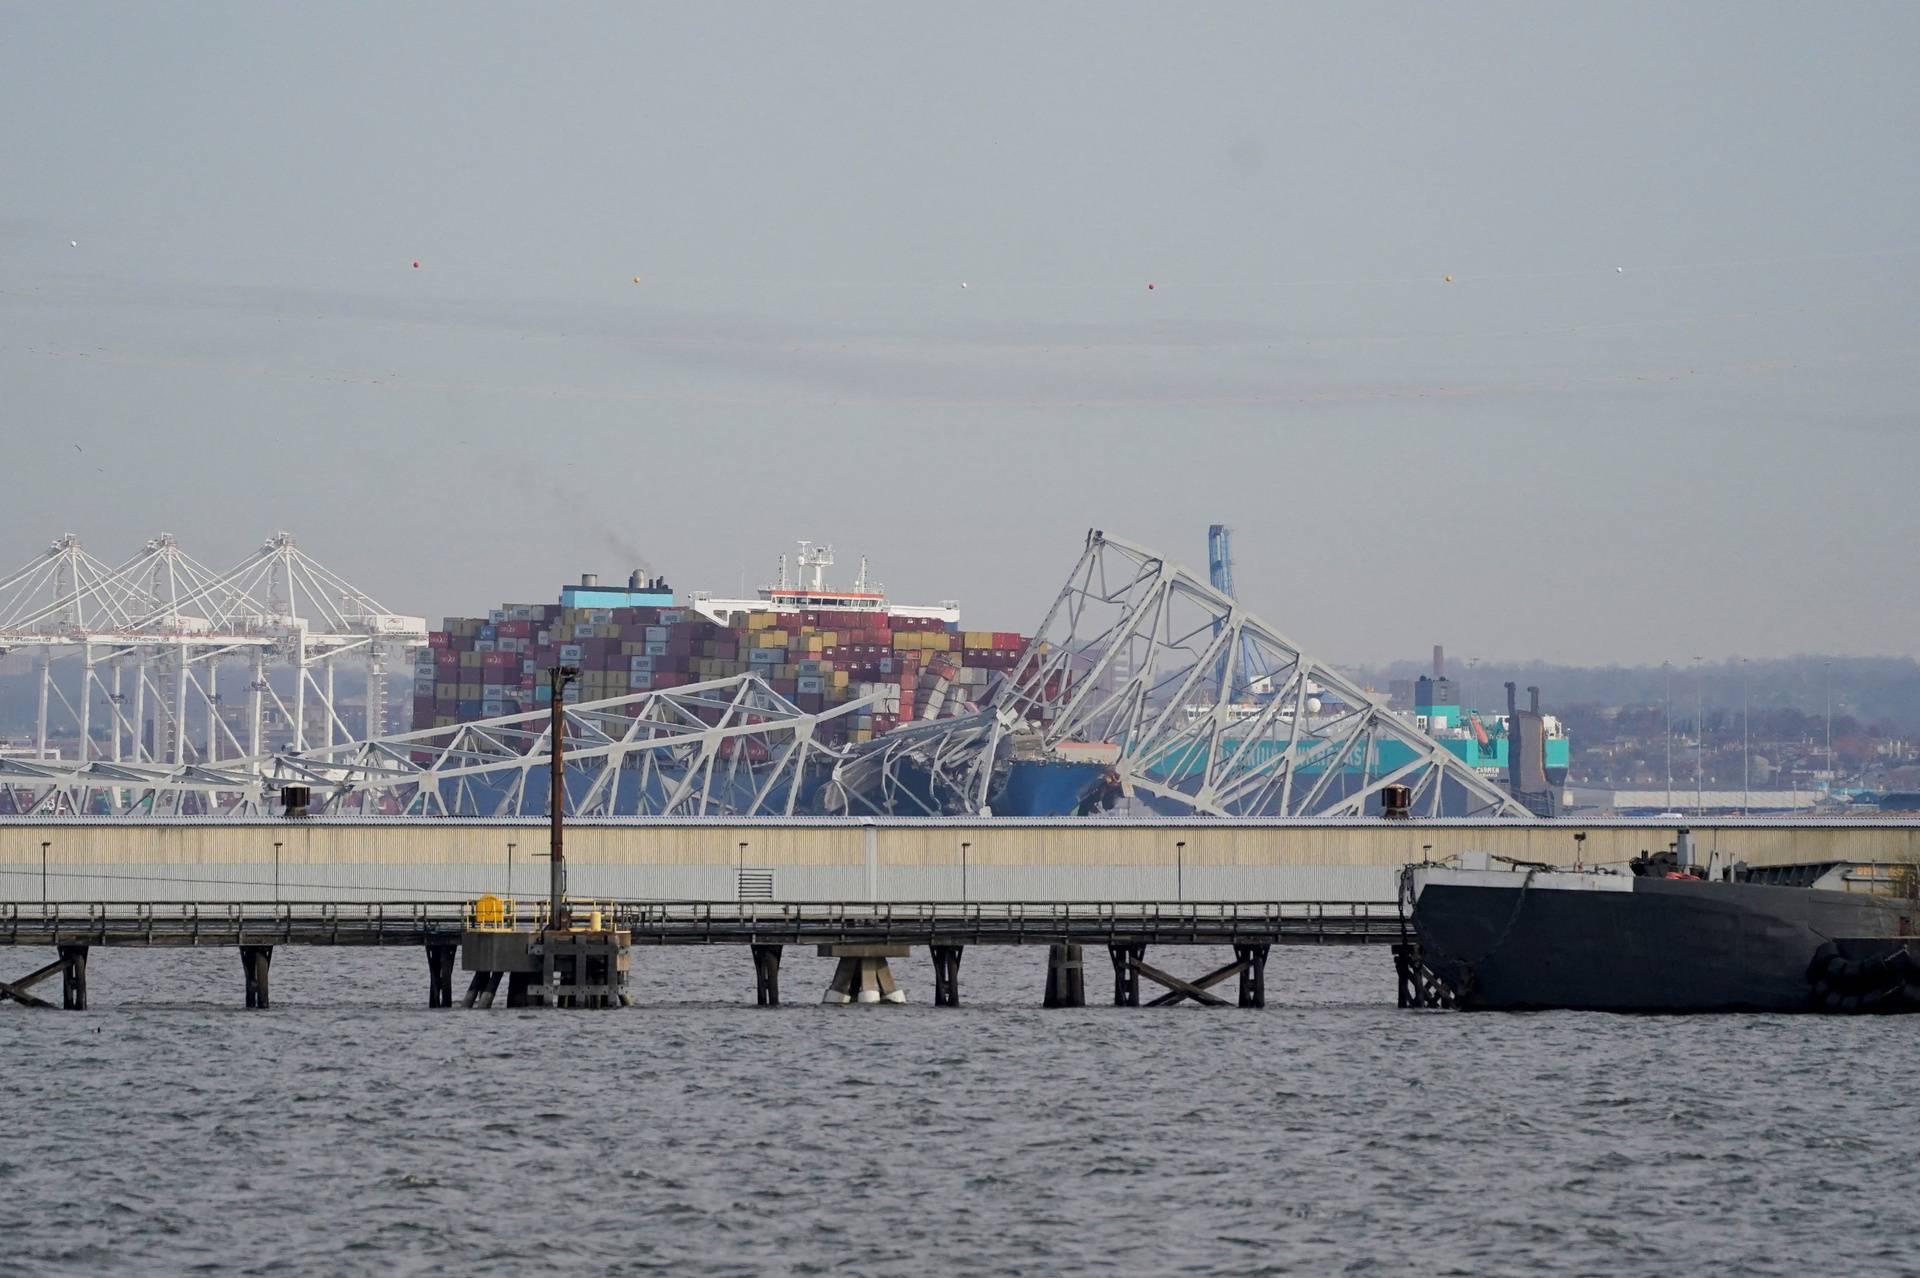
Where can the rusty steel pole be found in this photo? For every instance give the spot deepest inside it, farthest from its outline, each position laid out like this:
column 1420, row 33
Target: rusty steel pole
column 558, row 677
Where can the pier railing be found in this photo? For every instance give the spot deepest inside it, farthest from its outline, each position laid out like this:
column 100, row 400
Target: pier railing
column 190, row 923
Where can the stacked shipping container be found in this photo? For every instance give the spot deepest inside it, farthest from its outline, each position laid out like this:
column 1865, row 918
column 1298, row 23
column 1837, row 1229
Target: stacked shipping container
column 920, row 667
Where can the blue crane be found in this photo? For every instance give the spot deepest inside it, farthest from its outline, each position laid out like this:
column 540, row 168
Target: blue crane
column 1220, row 575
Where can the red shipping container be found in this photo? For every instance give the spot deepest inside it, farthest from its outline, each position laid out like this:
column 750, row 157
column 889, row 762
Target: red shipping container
column 438, row 639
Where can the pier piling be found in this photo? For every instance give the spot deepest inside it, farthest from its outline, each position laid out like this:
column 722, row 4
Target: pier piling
column 1253, row 974
column 766, row 974
column 257, row 961
column 1126, row 978
column 73, row 978
column 1419, row 987
column 946, row 975
column 440, row 963
column 481, row 989
column 862, row 975
column 1066, row 977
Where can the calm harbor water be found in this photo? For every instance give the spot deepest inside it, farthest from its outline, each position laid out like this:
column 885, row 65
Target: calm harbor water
column 350, row 1130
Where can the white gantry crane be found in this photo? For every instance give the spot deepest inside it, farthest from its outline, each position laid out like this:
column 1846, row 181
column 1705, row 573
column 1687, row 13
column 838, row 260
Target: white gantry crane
column 129, row 657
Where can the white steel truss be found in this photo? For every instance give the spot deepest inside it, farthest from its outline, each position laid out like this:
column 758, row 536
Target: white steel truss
column 1139, row 652
column 129, row 657
column 724, row 747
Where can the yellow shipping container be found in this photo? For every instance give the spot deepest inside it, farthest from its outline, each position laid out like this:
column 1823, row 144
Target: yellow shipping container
column 759, row 621
column 445, row 720
column 839, row 679
column 469, row 692
column 936, row 640
column 978, row 638
column 468, row 660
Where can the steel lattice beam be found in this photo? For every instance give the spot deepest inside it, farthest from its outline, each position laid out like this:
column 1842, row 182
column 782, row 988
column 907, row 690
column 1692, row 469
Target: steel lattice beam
column 724, row 747
column 1140, row 652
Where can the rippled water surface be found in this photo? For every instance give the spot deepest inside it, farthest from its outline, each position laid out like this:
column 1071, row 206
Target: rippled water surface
column 351, row 1130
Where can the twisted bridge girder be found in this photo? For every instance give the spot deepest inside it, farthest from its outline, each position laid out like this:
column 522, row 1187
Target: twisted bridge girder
column 1140, row 652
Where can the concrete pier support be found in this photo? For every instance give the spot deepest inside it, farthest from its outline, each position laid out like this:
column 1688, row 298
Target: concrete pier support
column 862, row 975
column 946, row 975
column 440, row 963
column 766, row 974
column 1126, row 979
column 257, row 961
column 1253, row 974
column 1066, row 977
column 73, row 978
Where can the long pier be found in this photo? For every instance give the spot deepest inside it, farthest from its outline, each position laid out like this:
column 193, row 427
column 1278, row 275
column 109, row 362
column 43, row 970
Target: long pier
column 863, row 935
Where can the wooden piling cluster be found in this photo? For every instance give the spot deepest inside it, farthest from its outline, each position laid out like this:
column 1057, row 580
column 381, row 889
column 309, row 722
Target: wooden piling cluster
column 588, row 965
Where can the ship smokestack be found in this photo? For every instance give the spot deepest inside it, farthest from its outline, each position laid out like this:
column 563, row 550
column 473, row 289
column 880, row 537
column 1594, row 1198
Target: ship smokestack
column 1439, row 661
column 633, row 580
column 1533, row 695
column 589, row 578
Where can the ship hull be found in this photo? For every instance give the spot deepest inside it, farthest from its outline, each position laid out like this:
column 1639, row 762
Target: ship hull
column 1616, row 943
column 1048, row 787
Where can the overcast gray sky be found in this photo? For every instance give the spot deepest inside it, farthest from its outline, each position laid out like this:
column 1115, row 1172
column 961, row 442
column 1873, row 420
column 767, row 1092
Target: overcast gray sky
column 1710, row 451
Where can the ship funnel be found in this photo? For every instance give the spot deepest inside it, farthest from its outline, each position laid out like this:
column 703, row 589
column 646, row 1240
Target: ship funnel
column 634, row 581
column 589, row 578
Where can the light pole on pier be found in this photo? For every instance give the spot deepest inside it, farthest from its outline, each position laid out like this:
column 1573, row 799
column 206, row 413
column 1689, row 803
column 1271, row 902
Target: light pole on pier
column 1180, row 870
column 1746, row 706
column 1666, row 716
column 1699, row 741
column 558, row 677
column 1831, row 778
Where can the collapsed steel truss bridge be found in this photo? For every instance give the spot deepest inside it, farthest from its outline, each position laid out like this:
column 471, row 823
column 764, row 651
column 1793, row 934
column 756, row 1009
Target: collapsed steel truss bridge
column 1195, row 705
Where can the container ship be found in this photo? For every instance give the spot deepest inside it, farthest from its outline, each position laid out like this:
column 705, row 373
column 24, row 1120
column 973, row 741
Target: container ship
column 815, row 644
